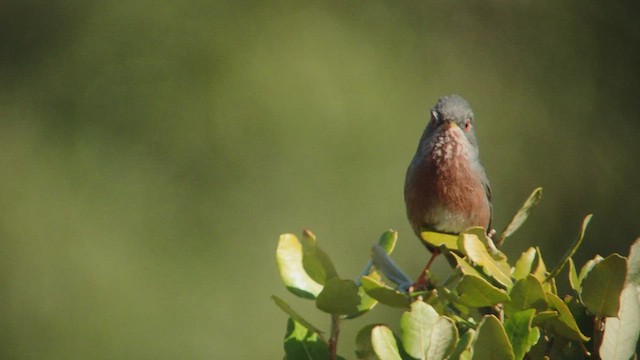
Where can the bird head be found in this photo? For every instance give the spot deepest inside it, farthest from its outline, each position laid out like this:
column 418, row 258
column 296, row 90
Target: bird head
column 452, row 114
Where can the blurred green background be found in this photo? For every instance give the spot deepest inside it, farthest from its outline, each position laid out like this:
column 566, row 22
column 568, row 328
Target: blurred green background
column 153, row 151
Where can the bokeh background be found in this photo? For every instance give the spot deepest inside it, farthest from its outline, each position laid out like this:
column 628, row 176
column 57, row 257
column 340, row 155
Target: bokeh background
column 151, row 152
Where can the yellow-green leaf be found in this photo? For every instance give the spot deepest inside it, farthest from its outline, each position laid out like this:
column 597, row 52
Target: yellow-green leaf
column 289, row 258
column 526, row 293
column 315, row 261
column 478, row 254
column 384, row 294
column 475, row 291
column 564, row 324
column 521, row 335
column 436, row 239
column 520, row 216
column 384, row 343
column 339, row 297
column 572, row 249
column 491, row 341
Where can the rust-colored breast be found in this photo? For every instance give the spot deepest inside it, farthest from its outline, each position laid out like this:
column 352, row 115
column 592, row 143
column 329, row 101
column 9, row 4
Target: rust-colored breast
column 445, row 187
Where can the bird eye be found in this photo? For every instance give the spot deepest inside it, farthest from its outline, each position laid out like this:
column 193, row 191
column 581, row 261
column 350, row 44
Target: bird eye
column 467, row 125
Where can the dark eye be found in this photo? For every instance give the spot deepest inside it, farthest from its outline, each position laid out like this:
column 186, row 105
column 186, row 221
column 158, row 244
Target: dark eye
column 467, row 125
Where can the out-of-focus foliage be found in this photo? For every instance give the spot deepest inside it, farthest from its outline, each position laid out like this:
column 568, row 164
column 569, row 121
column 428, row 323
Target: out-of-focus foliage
column 150, row 151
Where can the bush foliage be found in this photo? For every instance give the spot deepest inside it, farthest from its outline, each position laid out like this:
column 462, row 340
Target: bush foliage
column 488, row 307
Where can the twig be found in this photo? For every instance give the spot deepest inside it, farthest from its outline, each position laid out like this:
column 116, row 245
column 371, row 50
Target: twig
column 333, row 340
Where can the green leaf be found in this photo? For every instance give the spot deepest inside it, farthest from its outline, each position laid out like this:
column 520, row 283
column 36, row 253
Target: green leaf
column 366, row 302
column 465, row 267
column 477, row 253
column 443, row 339
column 526, row 293
column 462, row 350
column 544, row 316
column 491, row 341
column 588, row 266
column 572, row 249
column 521, row 335
column 633, row 263
column 339, row 297
column 295, row 316
column 301, row 343
column 388, row 241
column 481, row 233
column 384, row 263
column 315, row 261
column 602, row 286
column 522, row 215
column 289, row 258
column 417, row 326
column 524, row 264
column 384, row 294
column 564, row 324
column 436, row 239
column 621, row 333
column 364, row 347
column 384, row 343
column 475, row 291
column 574, row 281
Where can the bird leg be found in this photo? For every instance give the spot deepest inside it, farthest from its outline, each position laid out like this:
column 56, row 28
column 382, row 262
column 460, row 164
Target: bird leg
column 421, row 283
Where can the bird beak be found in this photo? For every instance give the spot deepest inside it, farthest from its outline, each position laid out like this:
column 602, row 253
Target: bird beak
column 450, row 124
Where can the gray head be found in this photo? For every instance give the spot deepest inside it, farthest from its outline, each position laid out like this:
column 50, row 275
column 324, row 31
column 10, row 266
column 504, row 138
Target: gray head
column 453, row 109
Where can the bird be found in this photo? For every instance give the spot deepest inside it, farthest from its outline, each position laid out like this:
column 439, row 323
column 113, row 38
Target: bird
column 446, row 188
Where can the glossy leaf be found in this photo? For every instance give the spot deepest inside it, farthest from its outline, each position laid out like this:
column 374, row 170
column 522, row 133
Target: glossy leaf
column 621, row 333
column 564, row 324
column 437, row 240
column 481, row 233
column 544, row 316
column 339, row 297
column 521, row 216
column 384, row 343
column 443, row 339
column 602, row 286
column 465, row 267
column 526, row 293
column 491, row 341
column 301, row 343
column 315, row 261
column 478, row 254
column 520, row 332
column 475, row 291
column 364, row 347
column 366, row 301
column 289, row 258
column 524, row 264
column 572, row 250
column 295, row 316
column 384, row 294
column 574, row 281
column 388, row 240
column 588, row 266
column 416, row 328
column 462, row 350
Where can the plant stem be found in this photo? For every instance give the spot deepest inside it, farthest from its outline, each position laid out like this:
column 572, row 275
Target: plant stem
column 335, row 333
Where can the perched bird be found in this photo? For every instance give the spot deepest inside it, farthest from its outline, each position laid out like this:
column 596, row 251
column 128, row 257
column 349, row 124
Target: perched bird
column 446, row 189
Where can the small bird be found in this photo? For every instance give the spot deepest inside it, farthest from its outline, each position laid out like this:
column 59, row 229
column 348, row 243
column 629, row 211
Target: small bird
column 446, row 189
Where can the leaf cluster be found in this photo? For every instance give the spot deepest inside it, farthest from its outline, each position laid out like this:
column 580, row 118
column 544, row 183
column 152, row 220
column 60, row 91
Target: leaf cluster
column 487, row 308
